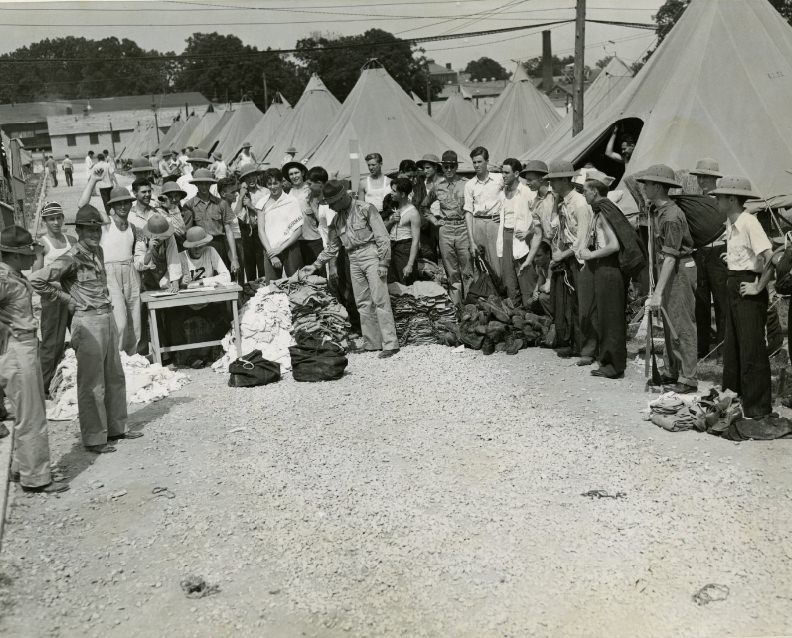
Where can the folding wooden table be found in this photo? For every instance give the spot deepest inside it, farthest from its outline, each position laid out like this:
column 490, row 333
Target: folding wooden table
column 160, row 301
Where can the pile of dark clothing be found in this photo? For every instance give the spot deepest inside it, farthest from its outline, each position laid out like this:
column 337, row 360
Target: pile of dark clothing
column 424, row 314
column 497, row 325
column 316, row 314
column 716, row 413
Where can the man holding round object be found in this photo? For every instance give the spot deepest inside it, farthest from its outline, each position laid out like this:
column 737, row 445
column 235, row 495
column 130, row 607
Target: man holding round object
column 101, row 385
column 20, row 370
column 157, row 256
column 250, row 200
column 359, row 228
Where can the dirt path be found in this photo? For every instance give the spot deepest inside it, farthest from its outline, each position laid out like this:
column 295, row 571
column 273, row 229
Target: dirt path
column 433, row 494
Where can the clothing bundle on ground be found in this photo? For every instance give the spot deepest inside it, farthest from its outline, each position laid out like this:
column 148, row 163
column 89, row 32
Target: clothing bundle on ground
column 265, row 323
column 316, row 360
column 424, row 314
column 495, row 324
column 252, row 370
column 716, row 413
column 145, row 382
column 315, row 312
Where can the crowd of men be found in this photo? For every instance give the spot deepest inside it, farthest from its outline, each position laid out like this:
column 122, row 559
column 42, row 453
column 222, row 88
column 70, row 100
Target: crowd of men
column 550, row 232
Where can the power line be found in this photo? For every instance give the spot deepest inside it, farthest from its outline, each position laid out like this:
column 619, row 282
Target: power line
column 220, row 7
column 209, row 56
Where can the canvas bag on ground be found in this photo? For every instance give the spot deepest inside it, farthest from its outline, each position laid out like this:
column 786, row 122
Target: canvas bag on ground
column 483, row 282
column 313, row 360
column 253, row 370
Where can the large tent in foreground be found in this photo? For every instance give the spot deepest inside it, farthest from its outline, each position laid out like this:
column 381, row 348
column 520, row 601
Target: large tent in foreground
column 263, row 136
column 599, row 97
column 142, row 141
column 458, row 115
column 306, row 124
column 519, row 119
column 720, row 85
column 243, row 120
column 383, row 119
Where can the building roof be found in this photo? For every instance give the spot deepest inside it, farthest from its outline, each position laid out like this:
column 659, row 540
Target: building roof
column 40, row 111
column 437, row 69
column 79, row 124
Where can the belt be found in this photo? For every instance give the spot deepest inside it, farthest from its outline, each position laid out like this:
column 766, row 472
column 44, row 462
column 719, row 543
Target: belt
column 24, row 335
column 743, row 273
column 104, row 310
column 120, row 262
column 486, row 216
column 354, row 249
column 453, row 222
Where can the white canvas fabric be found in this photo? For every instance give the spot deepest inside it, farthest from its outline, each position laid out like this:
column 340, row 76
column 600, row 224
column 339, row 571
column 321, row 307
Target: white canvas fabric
column 458, row 116
column 520, row 118
column 237, row 131
column 686, row 93
column 263, row 136
column 383, row 119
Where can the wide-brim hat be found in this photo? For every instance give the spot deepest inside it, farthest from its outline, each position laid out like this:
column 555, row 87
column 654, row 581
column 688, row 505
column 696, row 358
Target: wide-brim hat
column 248, row 145
column 429, row 158
column 89, row 216
column 291, row 150
column 250, row 169
column 172, row 187
column 659, row 174
column 535, row 166
column 50, row 209
column 16, row 239
column 707, row 166
column 197, row 237
column 141, row 165
column 333, row 191
column 199, row 156
column 120, row 194
column 158, row 227
column 593, row 173
column 290, row 165
column 560, row 168
column 733, row 185
column 203, row 175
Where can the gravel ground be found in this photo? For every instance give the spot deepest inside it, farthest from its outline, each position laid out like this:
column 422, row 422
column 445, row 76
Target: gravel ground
column 432, row 494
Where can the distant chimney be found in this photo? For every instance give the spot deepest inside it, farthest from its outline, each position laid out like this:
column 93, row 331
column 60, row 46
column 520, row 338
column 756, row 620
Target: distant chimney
column 547, row 62
column 69, row 110
column 448, row 66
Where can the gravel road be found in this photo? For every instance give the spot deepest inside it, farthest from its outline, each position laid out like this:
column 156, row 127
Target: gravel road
column 433, row 494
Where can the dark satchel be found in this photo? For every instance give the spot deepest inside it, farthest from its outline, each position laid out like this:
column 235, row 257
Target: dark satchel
column 484, row 282
column 313, row 360
column 783, row 282
column 704, row 219
column 252, row 370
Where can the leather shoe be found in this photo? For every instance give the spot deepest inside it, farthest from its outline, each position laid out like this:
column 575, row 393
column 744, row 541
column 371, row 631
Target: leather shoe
column 681, row 388
column 585, row 361
column 100, row 449
column 387, row 353
column 49, row 488
column 126, row 435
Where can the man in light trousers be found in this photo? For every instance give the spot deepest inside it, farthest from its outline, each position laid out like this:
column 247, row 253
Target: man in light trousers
column 359, row 227
column 101, row 385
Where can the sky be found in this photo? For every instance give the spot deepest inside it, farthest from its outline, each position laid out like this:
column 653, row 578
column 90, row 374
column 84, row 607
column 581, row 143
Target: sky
column 164, row 25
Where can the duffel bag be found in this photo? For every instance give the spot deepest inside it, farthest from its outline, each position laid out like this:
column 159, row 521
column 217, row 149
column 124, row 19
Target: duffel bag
column 705, row 221
column 317, row 361
column 252, row 370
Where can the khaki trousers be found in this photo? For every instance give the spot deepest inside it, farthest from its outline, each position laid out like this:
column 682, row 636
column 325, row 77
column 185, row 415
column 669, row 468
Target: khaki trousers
column 20, row 377
column 485, row 235
column 123, row 284
column 101, row 385
column 455, row 252
column 372, row 300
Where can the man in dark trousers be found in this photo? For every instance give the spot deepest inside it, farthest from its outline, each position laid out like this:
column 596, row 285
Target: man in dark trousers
column 711, row 270
column 746, row 364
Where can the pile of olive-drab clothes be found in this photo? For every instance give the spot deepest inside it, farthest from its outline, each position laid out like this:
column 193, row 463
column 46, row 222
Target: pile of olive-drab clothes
column 424, row 314
column 145, row 382
column 497, row 325
column 316, row 314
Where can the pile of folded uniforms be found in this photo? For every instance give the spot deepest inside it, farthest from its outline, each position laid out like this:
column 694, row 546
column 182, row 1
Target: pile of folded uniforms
column 497, row 325
column 315, row 313
column 424, row 314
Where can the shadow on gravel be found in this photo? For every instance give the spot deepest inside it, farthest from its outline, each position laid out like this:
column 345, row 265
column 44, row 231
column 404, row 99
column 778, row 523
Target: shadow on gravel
column 78, row 459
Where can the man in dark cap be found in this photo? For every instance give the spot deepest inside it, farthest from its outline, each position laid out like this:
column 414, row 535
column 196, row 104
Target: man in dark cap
column 360, row 229
column 454, row 231
column 101, row 385
column 20, row 370
column 675, row 290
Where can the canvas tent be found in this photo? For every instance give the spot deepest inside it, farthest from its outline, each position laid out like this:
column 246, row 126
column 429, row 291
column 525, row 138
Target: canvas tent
column 166, row 141
column 686, row 97
column 263, row 136
column 458, row 115
column 211, row 139
column 201, row 129
column 599, row 97
column 237, row 131
column 142, row 141
column 384, row 119
column 306, row 124
column 519, row 119
column 177, row 142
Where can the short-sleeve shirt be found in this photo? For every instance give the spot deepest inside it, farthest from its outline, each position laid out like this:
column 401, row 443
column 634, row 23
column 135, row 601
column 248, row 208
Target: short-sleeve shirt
column 208, row 214
column 16, row 305
column 672, row 235
column 82, row 276
column 745, row 241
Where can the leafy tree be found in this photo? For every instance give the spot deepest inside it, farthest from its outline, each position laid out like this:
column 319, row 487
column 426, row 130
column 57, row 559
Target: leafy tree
column 340, row 68
column 534, row 66
column 486, row 68
column 238, row 73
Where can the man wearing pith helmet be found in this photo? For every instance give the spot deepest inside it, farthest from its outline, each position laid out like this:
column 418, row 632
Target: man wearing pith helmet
column 101, row 385
column 675, row 290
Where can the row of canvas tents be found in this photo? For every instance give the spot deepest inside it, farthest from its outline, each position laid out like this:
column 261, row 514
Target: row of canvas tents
column 700, row 94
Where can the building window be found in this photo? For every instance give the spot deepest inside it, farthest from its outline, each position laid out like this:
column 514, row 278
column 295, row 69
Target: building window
column 94, row 137
column 71, row 140
column 116, row 136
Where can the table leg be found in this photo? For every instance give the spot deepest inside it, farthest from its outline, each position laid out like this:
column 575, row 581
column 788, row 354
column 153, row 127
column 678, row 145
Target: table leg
column 154, row 331
column 237, row 329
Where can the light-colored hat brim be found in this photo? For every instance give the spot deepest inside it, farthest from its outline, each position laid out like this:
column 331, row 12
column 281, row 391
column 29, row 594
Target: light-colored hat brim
column 197, row 244
column 560, row 174
column 738, row 192
column 165, row 235
column 204, row 180
column 658, row 180
column 706, row 172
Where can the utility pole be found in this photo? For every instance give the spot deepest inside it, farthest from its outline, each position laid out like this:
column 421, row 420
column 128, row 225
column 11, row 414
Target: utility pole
column 112, row 141
column 156, row 120
column 186, row 111
column 580, row 48
column 266, row 95
column 429, row 95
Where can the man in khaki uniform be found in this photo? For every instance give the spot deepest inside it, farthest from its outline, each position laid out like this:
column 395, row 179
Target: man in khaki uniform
column 360, row 229
column 20, row 369
column 101, row 385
